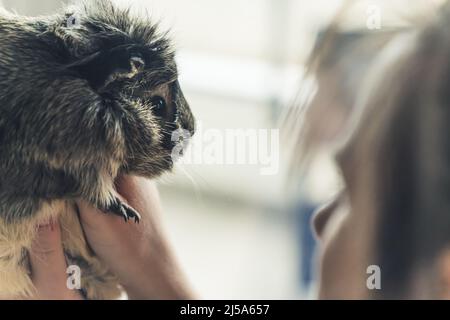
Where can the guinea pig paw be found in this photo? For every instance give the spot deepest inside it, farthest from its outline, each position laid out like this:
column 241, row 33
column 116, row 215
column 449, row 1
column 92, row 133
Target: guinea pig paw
column 122, row 209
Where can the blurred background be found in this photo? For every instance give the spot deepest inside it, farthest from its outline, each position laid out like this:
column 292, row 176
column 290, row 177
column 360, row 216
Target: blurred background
column 240, row 234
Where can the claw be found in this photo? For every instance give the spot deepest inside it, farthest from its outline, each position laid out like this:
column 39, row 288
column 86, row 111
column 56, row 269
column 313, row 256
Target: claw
column 124, row 213
column 122, row 209
column 131, row 213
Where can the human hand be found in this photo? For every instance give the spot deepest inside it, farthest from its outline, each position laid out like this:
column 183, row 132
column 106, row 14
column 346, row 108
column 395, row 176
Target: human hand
column 138, row 253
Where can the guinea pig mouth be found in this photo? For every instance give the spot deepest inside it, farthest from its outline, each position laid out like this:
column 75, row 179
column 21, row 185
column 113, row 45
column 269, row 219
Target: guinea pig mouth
column 168, row 143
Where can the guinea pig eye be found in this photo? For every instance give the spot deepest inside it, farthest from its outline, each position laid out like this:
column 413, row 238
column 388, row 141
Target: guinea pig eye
column 158, row 106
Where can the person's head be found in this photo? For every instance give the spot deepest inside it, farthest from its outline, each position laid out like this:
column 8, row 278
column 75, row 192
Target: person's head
column 394, row 212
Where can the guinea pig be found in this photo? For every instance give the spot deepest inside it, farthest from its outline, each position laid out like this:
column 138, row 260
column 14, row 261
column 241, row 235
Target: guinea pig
column 85, row 96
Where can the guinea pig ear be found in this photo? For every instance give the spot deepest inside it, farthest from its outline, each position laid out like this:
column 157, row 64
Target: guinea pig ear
column 104, row 67
column 86, row 68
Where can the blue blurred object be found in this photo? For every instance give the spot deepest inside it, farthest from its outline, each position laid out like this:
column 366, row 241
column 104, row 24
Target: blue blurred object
column 307, row 243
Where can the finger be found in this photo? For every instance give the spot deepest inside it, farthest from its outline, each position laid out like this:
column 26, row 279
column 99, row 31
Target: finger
column 46, row 254
column 48, row 264
column 140, row 193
